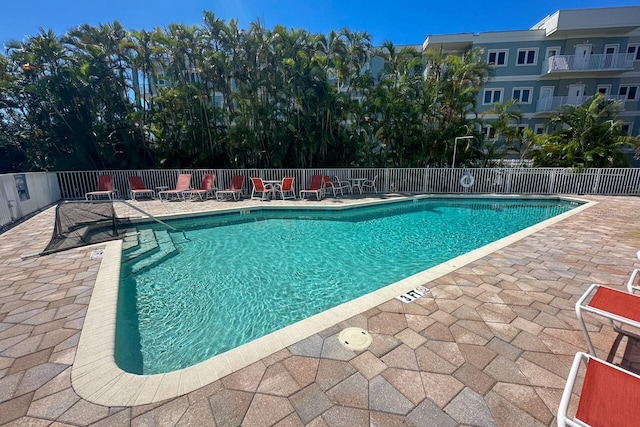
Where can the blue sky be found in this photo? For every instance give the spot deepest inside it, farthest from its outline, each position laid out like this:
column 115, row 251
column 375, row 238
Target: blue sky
column 401, row 21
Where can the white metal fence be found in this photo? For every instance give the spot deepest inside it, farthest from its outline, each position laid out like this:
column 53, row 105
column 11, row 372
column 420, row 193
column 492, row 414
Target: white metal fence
column 47, row 188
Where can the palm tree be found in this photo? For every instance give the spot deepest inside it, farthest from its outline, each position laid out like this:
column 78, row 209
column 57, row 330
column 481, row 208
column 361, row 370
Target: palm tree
column 586, row 136
column 504, row 118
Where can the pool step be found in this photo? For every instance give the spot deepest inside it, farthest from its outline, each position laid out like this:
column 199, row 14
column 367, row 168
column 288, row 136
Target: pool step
column 165, row 249
column 146, row 242
column 130, row 242
column 178, row 238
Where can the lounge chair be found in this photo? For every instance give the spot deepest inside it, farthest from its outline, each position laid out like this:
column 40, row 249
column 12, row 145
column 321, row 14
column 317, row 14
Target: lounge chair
column 316, row 187
column 609, row 395
column 206, row 188
column 234, row 191
column 259, row 187
column 370, row 184
column 622, row 309
column 105, row 188
column 285, row 189
column 182, row 184
column 138, row 187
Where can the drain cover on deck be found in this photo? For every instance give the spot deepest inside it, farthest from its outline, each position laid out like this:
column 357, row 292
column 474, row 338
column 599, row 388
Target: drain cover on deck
column 355, row 338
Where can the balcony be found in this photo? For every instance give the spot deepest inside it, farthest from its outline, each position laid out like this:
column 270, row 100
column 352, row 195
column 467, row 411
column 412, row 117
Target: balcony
column 551, row 103
column 600, row 63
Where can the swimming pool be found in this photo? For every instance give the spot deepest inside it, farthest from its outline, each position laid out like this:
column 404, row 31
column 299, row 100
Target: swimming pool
column 242, row 275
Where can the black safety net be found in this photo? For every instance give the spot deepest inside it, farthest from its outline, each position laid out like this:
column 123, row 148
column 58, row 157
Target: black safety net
column 81, row 223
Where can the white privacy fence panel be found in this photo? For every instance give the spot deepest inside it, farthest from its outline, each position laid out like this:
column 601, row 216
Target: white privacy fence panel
column 620, row 181
column 24, row 193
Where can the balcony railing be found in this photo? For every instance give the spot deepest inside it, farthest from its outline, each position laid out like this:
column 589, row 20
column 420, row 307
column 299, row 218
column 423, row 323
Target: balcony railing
column 593, row 62
column 551, row 103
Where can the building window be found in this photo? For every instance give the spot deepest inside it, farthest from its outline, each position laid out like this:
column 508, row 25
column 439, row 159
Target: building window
column 552, row 51
column 626, row 128
column 491, row 96
column 628, row 93
column 527, row 57
column 539, row 129
column 520, row 129
column 604, row 89
column 522, row 94
column 634, row 49
column 488, row 132
column 498, row 57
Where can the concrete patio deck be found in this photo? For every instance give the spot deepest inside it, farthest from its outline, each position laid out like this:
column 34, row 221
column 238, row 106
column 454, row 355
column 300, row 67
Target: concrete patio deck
column 490, row 346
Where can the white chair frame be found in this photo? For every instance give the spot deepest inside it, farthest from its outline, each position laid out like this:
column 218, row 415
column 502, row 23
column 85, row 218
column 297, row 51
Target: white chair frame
column 568, row 389
column 341, row 185
column 631, row 284
column 278, row 190
column 318, row 193
column 370, row 183
column 264, row 195
column 582, row 306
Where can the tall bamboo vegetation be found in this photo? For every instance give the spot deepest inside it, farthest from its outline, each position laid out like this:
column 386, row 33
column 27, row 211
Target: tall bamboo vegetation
column 216, row 95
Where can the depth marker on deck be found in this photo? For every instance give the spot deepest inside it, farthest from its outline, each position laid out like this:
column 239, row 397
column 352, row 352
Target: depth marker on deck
column 413, row 294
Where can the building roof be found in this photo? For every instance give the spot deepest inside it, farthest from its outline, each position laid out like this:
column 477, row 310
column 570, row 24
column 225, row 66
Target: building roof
column 609, row 21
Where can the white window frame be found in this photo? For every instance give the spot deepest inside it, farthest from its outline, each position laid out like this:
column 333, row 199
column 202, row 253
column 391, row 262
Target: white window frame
column 629, row 126
column 634, row 49
column 626, row 95
column 520, row 128
column 526, row 50
column 538, row 129
column 493, row 90
column 497, row 52
column 615, row 47
column 521, row 89
column 607, row 90
column 487, row 131
column 549, row 49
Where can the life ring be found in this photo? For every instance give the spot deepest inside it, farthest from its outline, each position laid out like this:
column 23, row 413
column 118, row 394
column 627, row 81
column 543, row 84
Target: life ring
column 467, row 180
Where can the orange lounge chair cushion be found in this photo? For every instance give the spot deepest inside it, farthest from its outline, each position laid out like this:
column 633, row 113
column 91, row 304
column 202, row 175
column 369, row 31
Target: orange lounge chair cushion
column 609, row 397
column 617, row 302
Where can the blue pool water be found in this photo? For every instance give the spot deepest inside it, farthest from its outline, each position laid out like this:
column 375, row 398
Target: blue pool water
column 233, row 278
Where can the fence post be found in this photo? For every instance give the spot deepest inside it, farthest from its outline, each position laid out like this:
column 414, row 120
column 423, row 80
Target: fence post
column 425, row 180
column 596, row 182
column 386, row 181
column 552, row 181
column 507, row 181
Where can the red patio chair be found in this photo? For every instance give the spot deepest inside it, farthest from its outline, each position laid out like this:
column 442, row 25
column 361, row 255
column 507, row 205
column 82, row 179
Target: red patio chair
column 105, row 188
column 316, row 187
column 609, row 395
column 206, row 188
column 234, row 191
column 138, row 187
column 285, row 189
column 620, row 308
column 328, row 185
column 260, row 187
column 183, row 184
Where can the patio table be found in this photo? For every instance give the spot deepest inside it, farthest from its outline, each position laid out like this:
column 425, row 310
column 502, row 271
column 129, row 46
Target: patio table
column 357, row 183
column 159, row 189
column 272, row 183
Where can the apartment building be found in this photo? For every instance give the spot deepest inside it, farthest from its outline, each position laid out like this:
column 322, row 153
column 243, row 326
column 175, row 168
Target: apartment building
column 564, row 59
